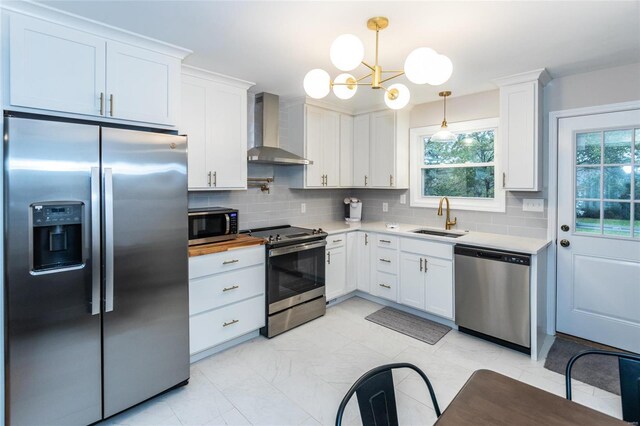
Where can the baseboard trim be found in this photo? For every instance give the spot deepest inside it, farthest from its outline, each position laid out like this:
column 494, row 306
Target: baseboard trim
column 223, row 346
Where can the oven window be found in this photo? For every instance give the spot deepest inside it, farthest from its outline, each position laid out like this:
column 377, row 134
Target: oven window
column 292, row 274
column 207, row 226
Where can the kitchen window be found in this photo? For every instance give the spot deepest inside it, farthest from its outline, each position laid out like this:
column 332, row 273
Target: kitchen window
column 466, row 170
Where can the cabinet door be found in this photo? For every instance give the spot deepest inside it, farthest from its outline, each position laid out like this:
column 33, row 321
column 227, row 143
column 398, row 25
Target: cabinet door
column 314, row 150
column 331, row 147
column 439, row 287
column 335, row 272
column 346, row 150
column 361, row 143
column 227, row 150
column 412, row 277
column 383, row 149
column 54, row 67
column 518, row 127
column 193, row 123
column 365, row 245
column 142, row 85
column 352, row 262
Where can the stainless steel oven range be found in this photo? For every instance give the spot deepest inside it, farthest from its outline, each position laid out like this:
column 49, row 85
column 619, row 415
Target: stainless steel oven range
column 295, row 276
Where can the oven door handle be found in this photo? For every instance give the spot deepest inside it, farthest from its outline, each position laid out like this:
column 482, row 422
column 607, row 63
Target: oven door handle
column 298, row 247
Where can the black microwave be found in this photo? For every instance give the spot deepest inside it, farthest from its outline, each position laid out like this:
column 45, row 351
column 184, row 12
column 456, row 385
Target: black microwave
column 212, row 224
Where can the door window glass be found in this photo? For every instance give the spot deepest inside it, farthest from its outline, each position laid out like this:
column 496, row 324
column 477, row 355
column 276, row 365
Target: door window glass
column 607, row 182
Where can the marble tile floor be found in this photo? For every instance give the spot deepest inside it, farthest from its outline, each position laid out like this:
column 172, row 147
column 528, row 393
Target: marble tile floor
column 300, row 377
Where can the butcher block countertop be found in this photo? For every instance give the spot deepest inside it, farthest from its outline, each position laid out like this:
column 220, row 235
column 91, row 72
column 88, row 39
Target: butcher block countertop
column 241, row 242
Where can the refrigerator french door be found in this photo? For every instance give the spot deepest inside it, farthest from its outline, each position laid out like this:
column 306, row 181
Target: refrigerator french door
column 96, row 274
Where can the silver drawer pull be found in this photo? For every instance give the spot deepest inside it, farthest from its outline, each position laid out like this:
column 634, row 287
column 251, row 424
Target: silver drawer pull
column 230, row 323
column 384, row 285
column 385, row 260
column 233, row 287
column 227, row 262
column 385, row 241
column 337, row 241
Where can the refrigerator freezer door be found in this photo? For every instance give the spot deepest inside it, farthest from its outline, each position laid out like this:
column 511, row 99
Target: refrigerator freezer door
column 146, row 315
column 53, row 339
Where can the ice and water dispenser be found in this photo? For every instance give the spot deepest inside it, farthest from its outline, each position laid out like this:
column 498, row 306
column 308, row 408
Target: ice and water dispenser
column 57, row 235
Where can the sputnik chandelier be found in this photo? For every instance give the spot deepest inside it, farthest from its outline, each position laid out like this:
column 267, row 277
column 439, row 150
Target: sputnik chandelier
column 422, row 66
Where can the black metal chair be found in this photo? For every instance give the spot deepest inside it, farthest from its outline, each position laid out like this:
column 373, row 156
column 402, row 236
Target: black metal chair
column 376, row 396
column 629, row 366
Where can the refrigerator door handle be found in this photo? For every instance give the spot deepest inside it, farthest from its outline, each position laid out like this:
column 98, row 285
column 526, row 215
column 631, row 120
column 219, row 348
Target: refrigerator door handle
column 95, row 240
column 108, row 239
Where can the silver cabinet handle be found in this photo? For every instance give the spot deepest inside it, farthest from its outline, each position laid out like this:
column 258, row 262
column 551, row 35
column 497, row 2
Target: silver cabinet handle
column 384, row 285
column 504, row 179
column 385, row 241
column 101, row 103
column 108, row 240
column 426, row 268
column 233, row 287
column 390, row 180
column 366, row 239
column 385, row 260
column 226, row 324
column 215, row 178
column 95, row 240
column 227, row 262
column 337, row 241
column 420, row 264
column 365, row 180
column 111, row 105
column 209, row 180
column 329, row 258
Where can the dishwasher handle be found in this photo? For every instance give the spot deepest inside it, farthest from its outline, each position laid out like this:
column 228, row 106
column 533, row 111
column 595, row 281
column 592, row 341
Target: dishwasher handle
column 495, row 255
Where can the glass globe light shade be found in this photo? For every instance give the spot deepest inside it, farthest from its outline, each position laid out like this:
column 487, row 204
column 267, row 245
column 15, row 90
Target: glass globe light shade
column 347, row 86
column 441, row 70
column 419, row 65
column 444, row 135
column 317, row 83
column 397, row 96
column 347, row 52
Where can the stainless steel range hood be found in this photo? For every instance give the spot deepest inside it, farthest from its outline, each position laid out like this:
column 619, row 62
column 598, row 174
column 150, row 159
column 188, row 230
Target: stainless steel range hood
column 267, row 135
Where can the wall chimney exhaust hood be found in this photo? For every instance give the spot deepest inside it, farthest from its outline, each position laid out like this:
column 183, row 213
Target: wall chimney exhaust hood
column 267, row 135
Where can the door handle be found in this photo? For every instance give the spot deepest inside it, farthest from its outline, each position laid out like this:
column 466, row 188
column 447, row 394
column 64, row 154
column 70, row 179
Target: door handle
column 108, row 239
column 337, row 241
column 366, row 239
column 565, row 243
column 565, row 228
column 101, row 103
column 385, row 260
column 390, row 180
column 385, row 241
column 421, row 264
column 328, row 258
column 426, row 268
column 111, row 105
column 365, row 180
column 228, row 262
column 95, row 240
column 504, row 179
column 226, row 324
column 384, row 285
column 209, row 179
column 233, row 287
column 215, row 178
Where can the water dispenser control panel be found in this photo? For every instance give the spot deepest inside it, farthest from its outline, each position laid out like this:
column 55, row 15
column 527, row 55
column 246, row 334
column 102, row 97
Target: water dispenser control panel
column 64, row 214
column 57, row 230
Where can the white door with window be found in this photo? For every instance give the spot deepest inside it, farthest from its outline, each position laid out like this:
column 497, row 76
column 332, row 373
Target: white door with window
column 598, row 273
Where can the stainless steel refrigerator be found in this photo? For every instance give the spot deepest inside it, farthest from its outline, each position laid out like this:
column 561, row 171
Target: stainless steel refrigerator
column 96, row 273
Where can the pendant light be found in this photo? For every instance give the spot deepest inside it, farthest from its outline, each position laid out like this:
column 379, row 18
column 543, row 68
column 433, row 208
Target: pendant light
column 444, row 135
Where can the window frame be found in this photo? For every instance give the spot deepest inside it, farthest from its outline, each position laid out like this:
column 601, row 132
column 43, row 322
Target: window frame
column 416, row 165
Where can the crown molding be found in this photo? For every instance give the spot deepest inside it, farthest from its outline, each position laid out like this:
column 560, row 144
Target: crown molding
column 214, row 76
column 541, row 75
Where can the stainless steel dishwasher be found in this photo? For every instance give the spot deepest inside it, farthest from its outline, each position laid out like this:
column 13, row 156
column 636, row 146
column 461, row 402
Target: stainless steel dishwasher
column 493, row 296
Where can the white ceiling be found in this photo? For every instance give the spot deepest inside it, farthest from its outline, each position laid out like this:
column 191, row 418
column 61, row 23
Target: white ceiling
column 275, row 43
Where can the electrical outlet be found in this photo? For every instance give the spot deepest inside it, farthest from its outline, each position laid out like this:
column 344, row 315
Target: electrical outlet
column 533, row 205
column 403, row 199
column 303, row 207
column 385, row 207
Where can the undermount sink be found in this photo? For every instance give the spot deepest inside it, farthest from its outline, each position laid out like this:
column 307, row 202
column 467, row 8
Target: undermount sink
column 437, row 233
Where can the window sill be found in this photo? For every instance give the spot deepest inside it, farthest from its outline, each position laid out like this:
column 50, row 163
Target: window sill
column 495, row 205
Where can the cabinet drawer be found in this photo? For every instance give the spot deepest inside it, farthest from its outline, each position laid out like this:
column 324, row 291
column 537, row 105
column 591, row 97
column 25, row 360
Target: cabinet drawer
column 387, row 241
column 208, row 264
column 386, row 286
column 211, row 328
column 427, row 248
column 337, row 240
column 212, row 291
column 386, row 260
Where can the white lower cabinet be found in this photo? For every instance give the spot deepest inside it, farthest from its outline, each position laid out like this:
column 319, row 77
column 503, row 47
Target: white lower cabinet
column 352, row 261
column 363, row 260
column 336, row 270
column 412, row 286
column 439, row 287
column 226, row 296
column 385, row 285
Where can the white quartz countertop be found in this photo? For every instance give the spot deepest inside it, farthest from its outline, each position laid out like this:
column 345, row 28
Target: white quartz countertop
column 471, row 238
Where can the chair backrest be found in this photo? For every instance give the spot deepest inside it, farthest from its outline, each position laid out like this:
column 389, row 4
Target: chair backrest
column 376, row 396
column 629, row 366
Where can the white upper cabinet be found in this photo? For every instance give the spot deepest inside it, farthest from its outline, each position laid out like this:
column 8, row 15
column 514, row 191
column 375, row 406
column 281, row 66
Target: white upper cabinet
column 64, row 65
column 521, row 130
column 214, row 118
column 382, row 154
column 142, row 85
column 54, row 67
column 346, row 150
column 361, row 130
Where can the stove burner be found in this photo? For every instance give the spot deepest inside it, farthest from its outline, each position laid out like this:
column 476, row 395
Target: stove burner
column 287, row 235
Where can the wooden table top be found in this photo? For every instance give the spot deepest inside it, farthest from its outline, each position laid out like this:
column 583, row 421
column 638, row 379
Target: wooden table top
column 242, row 241
column 490, row 398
